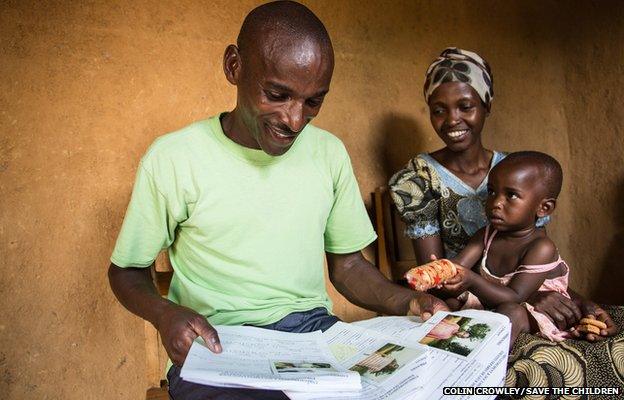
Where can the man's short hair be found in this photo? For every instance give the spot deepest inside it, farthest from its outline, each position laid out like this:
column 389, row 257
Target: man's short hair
column 283, row 19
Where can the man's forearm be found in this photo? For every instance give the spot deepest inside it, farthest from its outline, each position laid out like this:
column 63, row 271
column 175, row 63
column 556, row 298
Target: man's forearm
column 362, row 284
column 135, row 289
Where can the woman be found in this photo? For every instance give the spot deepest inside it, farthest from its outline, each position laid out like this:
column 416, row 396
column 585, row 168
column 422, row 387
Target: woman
column 441, row 195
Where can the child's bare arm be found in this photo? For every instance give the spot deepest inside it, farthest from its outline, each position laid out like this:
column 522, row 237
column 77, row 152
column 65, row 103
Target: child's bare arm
column 465, row 261
column 473, row 251
column 522, row 285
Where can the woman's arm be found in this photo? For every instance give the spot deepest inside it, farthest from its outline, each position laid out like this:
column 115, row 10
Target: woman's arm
column 567, row 312
column 425, row 248
column 417, row 199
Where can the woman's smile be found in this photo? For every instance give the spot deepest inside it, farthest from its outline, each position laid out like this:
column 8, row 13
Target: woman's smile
column 458, row 134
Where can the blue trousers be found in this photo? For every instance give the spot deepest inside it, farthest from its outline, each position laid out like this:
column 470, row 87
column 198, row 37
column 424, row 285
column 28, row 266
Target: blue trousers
column 300, row 322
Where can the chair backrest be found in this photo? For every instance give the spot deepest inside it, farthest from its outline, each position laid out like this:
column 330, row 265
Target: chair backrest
column 156, row 356
column 394, row 253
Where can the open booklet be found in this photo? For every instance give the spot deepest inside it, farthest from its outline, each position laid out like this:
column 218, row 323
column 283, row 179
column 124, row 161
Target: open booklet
column 265, row 359
column 465, row 348
column 380, row 358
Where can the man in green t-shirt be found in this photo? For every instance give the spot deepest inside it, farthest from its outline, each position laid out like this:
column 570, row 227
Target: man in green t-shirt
column 249, row 202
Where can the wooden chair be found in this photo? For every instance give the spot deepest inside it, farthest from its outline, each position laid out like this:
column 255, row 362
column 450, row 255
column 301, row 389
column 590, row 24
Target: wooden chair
column 394, row 253
column 156, row 356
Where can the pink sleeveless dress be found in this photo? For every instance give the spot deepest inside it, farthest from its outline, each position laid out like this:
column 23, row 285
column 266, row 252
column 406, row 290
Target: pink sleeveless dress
column 559, row 284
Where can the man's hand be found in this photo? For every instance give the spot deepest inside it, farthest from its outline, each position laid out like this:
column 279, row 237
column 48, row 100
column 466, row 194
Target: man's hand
column 425, row 305
column 179, row 326
column 563, row 311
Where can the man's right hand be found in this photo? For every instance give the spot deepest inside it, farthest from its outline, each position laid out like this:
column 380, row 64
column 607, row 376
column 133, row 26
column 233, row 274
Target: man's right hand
column 179, row 326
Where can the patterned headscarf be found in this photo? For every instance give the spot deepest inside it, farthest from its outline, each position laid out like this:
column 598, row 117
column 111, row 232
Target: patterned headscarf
column 457, row 65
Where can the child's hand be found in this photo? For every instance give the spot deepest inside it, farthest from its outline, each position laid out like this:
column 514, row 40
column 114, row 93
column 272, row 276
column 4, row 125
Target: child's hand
column 459, row 283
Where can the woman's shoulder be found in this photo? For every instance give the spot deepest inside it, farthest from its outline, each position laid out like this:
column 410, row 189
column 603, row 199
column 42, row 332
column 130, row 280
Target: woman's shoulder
column 415, row 187
column 420, row 171
column 421, row 165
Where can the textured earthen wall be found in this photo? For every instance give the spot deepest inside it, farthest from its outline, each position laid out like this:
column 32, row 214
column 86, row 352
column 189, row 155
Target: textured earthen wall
column 85, row 87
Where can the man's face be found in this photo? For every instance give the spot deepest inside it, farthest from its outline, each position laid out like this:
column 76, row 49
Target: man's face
column 281, row 87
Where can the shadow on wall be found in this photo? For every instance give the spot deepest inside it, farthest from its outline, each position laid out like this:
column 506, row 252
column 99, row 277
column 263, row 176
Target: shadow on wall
column 400, row 140
column 612, row 270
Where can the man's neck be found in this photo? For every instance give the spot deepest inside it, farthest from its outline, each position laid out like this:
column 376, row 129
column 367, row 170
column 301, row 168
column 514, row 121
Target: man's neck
column 236, row 131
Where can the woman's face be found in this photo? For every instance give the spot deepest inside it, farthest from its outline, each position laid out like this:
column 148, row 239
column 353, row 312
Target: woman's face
column 457, row 115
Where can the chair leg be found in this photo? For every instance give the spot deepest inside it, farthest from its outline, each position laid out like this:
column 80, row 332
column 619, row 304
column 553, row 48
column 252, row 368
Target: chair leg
column 161, row 393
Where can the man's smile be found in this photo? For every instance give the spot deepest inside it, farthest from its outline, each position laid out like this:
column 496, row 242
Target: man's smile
column 280, row 136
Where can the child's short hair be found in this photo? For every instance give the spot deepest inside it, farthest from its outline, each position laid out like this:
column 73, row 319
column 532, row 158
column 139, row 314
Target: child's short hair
column 550, row 169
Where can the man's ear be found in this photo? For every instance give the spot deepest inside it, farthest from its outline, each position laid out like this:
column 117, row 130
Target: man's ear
column 232, row 64
column 546, row 207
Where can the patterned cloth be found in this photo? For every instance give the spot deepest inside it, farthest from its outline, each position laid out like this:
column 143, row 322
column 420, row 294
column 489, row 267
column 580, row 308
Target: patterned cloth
column 535, row 361
column 457, row 65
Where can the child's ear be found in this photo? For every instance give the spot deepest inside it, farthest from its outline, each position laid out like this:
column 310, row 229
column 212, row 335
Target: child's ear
column 546, row 207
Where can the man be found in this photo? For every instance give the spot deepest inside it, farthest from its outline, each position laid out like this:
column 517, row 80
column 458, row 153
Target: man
column 248, row 202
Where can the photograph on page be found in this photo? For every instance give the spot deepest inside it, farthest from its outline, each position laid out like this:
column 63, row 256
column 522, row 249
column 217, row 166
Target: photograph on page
column 458, row 335
column 385, row 361
column 302, row 367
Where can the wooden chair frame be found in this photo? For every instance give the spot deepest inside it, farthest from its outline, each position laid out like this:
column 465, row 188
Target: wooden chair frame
column 155, row 354
column 388, row 256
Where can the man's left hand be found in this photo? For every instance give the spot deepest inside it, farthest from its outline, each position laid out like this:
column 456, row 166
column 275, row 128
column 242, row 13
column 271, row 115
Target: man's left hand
column 425, row 305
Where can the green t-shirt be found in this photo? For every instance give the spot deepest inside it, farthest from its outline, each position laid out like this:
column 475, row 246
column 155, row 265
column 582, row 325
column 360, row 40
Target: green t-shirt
column 246, row 231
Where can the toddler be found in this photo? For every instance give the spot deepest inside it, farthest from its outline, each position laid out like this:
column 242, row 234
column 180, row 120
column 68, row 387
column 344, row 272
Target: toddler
column 517, row 258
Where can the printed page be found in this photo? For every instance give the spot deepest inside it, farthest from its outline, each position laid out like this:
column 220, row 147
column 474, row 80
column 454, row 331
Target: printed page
column 266, row 359
column 390, row 368
column 454, row 361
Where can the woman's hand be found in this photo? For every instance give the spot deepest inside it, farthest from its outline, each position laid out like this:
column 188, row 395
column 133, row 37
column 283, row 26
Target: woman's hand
column 564, row 312
column 589, row 309
column 460, row 282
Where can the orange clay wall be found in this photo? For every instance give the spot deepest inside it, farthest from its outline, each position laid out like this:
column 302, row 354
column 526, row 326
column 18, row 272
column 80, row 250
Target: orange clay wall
column 86, row 86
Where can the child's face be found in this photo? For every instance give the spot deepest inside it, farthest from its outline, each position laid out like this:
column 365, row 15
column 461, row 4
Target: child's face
column 514, row 197
column 457, row 115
